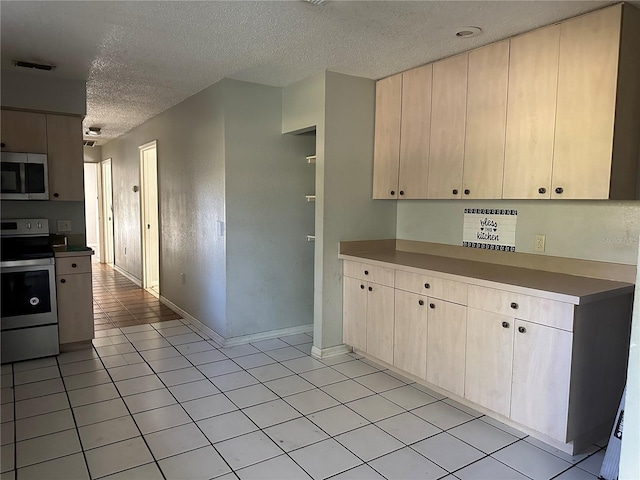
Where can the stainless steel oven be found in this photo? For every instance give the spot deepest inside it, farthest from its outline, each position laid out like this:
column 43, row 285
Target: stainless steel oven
column 24, row 176
column 29, row 318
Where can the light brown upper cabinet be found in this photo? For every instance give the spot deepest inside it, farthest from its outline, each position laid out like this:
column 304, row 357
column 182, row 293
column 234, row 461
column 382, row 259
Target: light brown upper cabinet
column 488, row 75
column 386, row 153
column 448, row 115
column 531, row 112
column 415, row 129
column 598, row 110
column 24, row 132
column 65, row 158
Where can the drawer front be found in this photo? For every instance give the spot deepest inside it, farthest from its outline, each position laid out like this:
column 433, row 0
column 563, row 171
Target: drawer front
column 499, row 301
column 71, row 265
column 535, row 309
column 369, row 273
column 434, row 287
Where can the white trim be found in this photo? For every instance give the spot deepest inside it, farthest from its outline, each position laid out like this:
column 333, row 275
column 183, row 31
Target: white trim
column 148, row 145
column 320, row 353
column 240, row 340
column 121, row 271
column 197, row 323
column 283, row 332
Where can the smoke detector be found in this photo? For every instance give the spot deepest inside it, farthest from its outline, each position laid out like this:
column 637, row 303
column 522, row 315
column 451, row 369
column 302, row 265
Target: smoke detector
column 93, row 131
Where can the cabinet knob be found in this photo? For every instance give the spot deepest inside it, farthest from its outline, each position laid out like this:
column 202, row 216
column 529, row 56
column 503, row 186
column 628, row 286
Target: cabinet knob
column 362, row 287
column 63, row 281
column 420, row 302
column 393, row 192
column 426, row 285
column 542, row 190
column 56, row 195
column 366, row 272
column 401, row 192
column 371, row 289
column 505, row 324
column 454, row 191
column 74, row 265
column 522, row 330
column 432, row 305
column 467, row 191
column 2, row 145
column 514, row 305
column 559, row 190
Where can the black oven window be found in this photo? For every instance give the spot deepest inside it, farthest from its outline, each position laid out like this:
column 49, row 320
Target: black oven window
column 25, row 293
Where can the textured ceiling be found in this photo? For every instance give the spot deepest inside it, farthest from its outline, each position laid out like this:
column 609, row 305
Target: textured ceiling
column 140, row 58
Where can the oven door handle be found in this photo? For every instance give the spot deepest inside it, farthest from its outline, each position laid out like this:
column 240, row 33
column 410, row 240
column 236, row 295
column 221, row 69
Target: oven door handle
column 40, row 262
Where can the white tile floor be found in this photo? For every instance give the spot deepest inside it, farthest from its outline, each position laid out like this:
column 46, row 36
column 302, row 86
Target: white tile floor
column 163, row 401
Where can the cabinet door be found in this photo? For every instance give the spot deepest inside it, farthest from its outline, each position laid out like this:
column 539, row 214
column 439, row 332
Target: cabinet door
column 531, row 112
column 75, row 307
column 380, row 322
column 446, row 344
column 541, row 378
column 414, row 132
column 448, row 116
column 24, row 132
column 587, row 76
column 489, row 360
column 65, row 158
column 354, row 313
column 410, row 339
column 486, row 121
column 386, row 153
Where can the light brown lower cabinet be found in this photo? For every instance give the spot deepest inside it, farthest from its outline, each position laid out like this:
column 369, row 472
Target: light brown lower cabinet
column 75, row 299
column 556, row 369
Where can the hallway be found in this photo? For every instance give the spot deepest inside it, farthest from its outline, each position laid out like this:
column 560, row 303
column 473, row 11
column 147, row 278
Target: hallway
column 118, row 302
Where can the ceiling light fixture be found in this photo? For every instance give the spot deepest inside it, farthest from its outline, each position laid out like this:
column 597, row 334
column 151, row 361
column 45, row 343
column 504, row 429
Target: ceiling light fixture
column 93, row 131
column 37, row 66
column 468, row 32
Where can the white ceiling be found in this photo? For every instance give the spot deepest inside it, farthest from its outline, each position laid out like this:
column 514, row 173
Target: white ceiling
column 141, row 57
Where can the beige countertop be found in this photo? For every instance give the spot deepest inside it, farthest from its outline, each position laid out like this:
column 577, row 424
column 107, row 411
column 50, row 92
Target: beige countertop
column 72, row 251
column 554, row 286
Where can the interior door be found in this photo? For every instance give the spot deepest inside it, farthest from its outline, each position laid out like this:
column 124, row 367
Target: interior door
column 149, row 210
column 107, row 205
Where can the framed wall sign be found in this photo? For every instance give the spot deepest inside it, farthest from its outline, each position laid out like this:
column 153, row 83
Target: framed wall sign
column 490, row 229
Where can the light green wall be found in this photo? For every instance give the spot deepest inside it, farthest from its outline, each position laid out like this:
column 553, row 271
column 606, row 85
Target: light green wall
column 269, row 261
column 303, row 104
column 606, row 231
column 190, row 141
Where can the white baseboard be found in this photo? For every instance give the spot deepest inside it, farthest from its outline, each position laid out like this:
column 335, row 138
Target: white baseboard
column 240, row 340
column 135, row 280
column 321, row 353
column 255, row 337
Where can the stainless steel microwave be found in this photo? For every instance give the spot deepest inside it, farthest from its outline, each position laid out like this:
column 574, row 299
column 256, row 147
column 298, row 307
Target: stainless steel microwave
column 24, row 176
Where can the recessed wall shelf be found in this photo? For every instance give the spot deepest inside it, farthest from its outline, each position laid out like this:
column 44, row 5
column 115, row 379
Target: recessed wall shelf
column 311, row 238
column 311, row 198
column 311, row 159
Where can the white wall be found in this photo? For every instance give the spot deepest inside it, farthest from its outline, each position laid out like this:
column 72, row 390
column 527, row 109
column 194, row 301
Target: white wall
column 269, row 261
column 91, row 203
column 41, row 91
column 191, row 175
column 606, row 231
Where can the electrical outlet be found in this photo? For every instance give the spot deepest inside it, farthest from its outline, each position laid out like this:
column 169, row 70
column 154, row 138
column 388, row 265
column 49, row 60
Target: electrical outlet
column 182, row 279
column 64, row 225
column 540, row 241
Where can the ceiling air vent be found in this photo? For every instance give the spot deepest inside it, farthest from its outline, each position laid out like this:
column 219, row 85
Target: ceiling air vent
column 89, row 143
column 37, row 66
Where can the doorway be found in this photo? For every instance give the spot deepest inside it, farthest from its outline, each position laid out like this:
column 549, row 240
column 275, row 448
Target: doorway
column 150, row 217
column 106, row 209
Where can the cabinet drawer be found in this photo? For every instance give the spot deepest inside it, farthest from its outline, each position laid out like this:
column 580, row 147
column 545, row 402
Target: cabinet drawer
column 70, row 265
column 369, row 273
column 433, row 287
column 535, row 309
